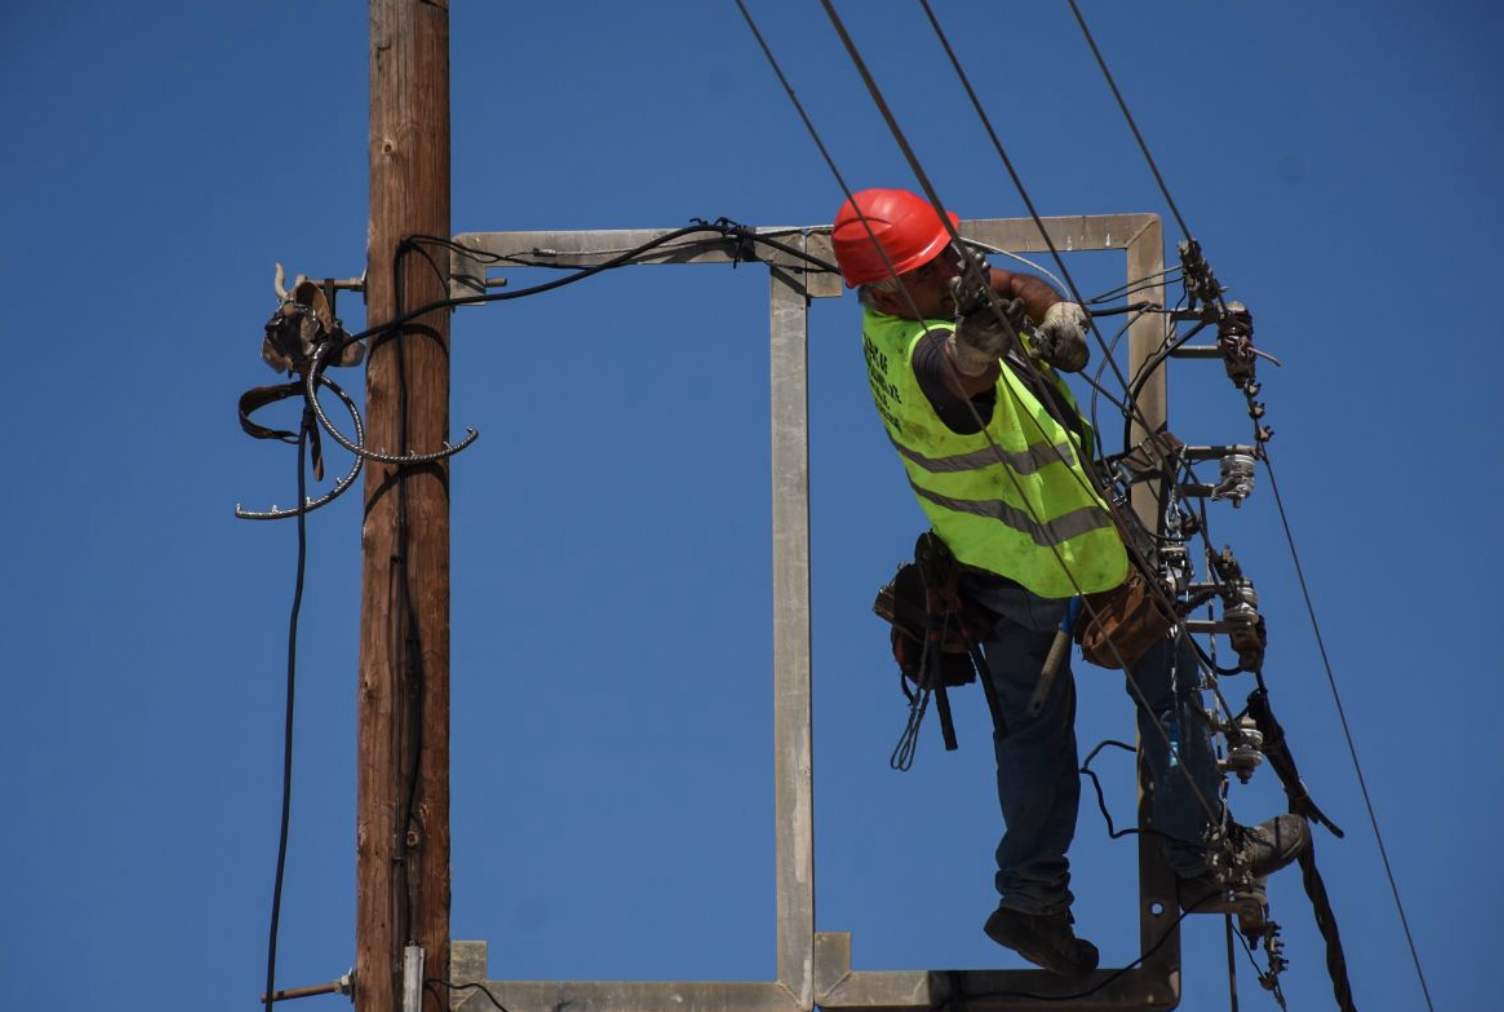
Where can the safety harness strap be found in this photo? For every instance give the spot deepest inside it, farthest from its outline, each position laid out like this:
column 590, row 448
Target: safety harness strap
column 256, row 398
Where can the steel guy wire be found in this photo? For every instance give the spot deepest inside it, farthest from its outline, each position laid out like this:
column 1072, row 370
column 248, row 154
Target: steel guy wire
column 1213, row 817
column 1346, row 730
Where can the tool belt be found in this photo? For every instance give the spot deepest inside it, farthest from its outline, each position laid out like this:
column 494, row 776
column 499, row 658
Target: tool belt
column 935, row 637
column 924, row 607
column 1123, row 623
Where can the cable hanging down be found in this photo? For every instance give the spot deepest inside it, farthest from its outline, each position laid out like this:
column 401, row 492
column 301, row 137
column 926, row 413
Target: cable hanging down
column 305, row 428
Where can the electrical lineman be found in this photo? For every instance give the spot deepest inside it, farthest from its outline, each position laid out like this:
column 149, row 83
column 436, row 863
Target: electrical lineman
column 1000, row 460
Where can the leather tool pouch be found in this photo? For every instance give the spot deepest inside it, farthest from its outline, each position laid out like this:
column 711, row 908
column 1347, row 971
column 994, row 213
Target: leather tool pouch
column 1123, row 623
column 923, row 604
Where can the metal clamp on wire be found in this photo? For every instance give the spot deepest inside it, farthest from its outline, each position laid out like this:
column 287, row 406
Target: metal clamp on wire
column 1237, row 478
column 1240, row 612
column 1241, row 621
column 1236, row 463
column 1245, row 748
column 1201, row 285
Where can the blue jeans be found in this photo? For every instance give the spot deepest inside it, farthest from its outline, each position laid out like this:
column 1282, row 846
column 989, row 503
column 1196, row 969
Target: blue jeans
column 1169, row 680
column 1038, row 784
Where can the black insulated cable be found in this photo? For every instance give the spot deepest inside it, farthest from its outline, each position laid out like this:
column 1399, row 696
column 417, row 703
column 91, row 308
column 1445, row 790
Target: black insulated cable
column 547, row 286
column 314, row 375
column 292, row 673
column 432, row 982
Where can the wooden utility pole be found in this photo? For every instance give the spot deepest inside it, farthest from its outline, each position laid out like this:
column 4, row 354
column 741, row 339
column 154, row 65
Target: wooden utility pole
column 402, row 838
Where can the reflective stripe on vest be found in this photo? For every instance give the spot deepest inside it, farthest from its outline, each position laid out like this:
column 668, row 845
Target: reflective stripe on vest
column 1026, row 462
column 1021, row 507
column 1055, row 532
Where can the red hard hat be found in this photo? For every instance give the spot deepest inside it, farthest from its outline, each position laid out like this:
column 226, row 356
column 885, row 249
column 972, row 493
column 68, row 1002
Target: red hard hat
column 906, row 225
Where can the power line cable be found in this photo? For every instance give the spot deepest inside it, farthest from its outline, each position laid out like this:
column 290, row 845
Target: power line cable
column 1123, row 105
column 1346, row 730
column 409, row 655
column 1132, row 405
column 292, row 671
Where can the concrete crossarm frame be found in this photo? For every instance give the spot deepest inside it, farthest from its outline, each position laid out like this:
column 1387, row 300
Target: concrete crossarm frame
column 814, row 968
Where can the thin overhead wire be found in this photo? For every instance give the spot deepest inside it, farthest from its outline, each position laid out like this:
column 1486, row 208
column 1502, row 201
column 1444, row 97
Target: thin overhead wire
column 1023, row 193
column 1347, row 734
column 1132, row 125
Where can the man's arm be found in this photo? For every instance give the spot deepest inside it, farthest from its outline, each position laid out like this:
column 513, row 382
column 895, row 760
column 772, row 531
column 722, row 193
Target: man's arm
column 1037, row 296
column 1064, row 338
column 1060, row 326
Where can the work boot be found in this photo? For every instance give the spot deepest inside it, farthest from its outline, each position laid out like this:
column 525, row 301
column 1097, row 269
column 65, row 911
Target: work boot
column 1269, row 846
column 1261, row 850
column 1043, row 939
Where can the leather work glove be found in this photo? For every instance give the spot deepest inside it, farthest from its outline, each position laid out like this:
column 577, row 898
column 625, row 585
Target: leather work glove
column 981, row 338
column 1060, row 339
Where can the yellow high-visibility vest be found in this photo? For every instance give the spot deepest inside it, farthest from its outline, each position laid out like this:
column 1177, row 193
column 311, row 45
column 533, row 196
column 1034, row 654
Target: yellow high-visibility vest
column 997, row 509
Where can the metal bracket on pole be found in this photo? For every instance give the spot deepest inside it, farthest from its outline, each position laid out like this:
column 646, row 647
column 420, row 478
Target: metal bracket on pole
column 412, row 979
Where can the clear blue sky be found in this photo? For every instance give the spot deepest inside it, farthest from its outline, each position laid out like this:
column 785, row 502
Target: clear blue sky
column 612, row 788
